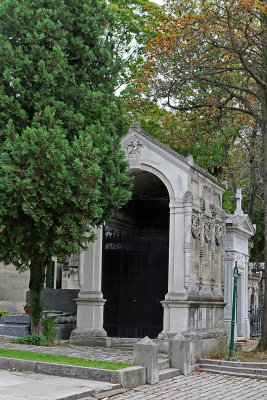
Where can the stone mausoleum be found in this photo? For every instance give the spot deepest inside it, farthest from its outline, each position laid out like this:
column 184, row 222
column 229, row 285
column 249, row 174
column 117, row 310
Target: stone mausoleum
column 158, row 268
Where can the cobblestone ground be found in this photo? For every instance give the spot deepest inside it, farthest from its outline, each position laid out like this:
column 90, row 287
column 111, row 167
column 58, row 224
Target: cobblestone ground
column 199, row 386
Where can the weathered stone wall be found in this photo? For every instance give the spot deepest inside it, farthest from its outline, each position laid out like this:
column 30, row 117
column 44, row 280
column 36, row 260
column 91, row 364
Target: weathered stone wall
column 13, row 288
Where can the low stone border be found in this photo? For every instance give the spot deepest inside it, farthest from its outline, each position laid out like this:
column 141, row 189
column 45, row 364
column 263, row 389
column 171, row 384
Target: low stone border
column 127, row 377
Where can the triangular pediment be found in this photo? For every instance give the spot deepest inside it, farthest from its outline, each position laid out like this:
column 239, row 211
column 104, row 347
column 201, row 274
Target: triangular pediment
column 136, row 140
column 246, row 225
column 140, row 147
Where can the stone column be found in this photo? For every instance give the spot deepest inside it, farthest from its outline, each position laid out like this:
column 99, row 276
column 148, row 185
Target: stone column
column 176, row 253
column 246, row 310
column 201, row 251
column 187, row 236
column 90, row 302
column 175, row 308
column 212, row 263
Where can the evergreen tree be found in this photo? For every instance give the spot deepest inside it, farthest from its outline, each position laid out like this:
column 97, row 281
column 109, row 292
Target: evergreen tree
column 61, row 167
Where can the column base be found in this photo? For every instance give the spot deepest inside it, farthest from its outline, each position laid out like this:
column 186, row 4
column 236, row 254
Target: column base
column 90, row 337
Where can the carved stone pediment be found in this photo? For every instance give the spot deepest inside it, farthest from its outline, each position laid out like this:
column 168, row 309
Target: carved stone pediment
column 195, row 228
column 246, row 225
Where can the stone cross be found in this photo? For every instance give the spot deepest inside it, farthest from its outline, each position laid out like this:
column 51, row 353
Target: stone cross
column 238, row 197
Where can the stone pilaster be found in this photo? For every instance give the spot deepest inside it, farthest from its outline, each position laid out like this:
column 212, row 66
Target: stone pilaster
column 90, row 302
column 188, row 198
column 175, row 308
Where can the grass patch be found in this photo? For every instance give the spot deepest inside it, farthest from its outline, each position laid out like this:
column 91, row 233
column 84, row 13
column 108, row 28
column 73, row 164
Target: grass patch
column 246, row 356
column 253, row 356
column 59, row 359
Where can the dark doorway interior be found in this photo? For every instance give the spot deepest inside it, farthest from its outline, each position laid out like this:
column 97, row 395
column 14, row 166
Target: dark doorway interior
column 135, row 261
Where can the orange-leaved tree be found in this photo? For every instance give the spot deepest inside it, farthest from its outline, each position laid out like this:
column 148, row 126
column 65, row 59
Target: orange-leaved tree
column 211, row 56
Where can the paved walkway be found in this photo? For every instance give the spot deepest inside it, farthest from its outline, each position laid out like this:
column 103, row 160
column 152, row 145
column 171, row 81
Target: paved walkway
column 29, row 386
column 200, row 386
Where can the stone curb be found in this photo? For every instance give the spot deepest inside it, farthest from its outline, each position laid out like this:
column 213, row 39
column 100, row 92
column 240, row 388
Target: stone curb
column 126, row 377
column 84, row 395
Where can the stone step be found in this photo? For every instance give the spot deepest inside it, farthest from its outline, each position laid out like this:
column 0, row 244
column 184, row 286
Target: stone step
column 164, row 363
column 236, row 373
column 14, row 330
column 219, row 368
column 239, row 364
column 168, row 373
column 256, row 370
column 124, row 342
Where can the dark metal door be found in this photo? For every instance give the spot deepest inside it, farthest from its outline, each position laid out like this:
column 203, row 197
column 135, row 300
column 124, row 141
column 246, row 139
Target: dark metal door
column 135, row 280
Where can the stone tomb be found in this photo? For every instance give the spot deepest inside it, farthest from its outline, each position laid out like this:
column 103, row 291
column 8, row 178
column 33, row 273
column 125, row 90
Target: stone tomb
column 238, row 231
column 158, row 269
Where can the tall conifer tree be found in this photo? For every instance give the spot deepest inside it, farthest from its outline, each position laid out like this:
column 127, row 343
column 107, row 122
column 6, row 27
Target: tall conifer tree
column 61, row 167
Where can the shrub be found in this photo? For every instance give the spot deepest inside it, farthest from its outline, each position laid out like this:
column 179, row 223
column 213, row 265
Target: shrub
column 65, row 320
column 49, row 329
column 33, row 339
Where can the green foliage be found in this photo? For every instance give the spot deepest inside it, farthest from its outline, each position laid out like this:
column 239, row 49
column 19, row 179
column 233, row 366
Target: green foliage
column 61, row 166
column 4, row 313
column 133, row 24
column 62, row 169
column 71, row 319
column 228, row 201
column 49, row 329
column 34, row 339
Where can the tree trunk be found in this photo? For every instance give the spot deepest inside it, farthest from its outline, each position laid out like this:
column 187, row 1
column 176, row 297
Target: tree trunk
column 263, row 342
column 37, row 278
column 253, row 178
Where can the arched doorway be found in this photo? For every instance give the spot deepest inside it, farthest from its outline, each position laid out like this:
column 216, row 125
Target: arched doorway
column 135, row 261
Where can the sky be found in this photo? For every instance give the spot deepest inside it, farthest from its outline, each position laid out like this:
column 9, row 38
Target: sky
column 158, row 1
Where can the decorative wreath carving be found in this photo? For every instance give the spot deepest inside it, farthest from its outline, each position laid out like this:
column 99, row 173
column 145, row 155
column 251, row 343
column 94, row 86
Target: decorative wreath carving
column 188, row 197
column 207, row 232
column 218, row 235
column 213, row 210
column 195, row 228
column 134, row 153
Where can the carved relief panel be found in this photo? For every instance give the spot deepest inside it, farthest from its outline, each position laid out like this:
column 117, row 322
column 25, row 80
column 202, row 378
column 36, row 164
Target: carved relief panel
column 134, row 153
